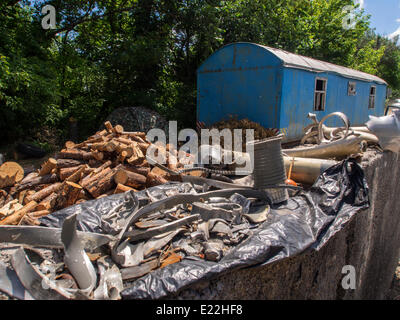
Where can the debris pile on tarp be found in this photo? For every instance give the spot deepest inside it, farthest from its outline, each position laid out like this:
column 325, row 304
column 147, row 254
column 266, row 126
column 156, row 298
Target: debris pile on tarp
column 152, row 243
column 109, row 162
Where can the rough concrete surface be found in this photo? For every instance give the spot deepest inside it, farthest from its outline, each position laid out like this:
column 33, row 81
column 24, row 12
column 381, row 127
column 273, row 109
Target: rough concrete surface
column 370, row 243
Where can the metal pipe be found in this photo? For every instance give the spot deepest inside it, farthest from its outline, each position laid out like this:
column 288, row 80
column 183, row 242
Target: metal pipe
column 337, row 149
column 306, row 170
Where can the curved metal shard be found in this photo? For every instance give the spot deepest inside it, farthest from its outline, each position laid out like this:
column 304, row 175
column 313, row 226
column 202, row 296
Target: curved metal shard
column 49, row 237
column 185, row 199
column 110, row 284
column 39, row 286
column 75, row 258
column 149, row 233
column 10, row 284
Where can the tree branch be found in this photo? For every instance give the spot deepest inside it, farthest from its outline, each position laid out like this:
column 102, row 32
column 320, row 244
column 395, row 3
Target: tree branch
column 85, row 18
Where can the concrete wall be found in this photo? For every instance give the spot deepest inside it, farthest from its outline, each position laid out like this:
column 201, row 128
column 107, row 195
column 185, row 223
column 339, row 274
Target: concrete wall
column 370, row 242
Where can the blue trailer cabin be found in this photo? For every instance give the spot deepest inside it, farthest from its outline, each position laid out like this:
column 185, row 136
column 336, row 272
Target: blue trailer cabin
column 278, row 89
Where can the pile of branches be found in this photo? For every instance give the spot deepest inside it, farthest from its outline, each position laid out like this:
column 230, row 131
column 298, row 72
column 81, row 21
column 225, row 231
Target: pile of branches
column 260, row 132
column 111, row 161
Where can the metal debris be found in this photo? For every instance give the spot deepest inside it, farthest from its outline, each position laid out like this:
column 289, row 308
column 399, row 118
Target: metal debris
column 75, row 257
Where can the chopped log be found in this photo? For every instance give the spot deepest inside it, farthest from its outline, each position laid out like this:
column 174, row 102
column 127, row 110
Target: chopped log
column 9, row 198
column 129, row 179
column 39, row 214
column 6, row 180
column 121, row 189
column 135, row 134
column 101, row 185
column 16, row 217
column 143, row 147
column 122, row 156
column 69, row 194
column 28, row 195
column 67, row 172
column 95, row 176
column 139, row 170
column 12, row 169
column 47, row 179
column 77, row 175
column 80, row 201
column 124, row 141
column 70, row 145
column 86, row 180
column 42, row 194
column 29, row 177
column 108, row 126
column 93, row 163
column 10, row 208
column 68, row 163
column 48, row 203
column 154, row 180
column 74, row 154
column 27, row 220
column 98, row 155
column 21, row 196
column 99, row 146
column 118, row 129
column 144, row 164
column 48, row 166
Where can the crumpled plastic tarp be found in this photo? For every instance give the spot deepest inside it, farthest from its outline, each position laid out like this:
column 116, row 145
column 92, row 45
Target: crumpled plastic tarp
column 306, row 221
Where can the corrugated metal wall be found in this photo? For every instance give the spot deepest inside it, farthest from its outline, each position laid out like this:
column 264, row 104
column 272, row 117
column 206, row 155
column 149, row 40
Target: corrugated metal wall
column 240, row 80
column 298, row 100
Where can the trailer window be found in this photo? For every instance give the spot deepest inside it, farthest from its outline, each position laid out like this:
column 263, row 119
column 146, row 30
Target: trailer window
column 352, row 89
column 320, row 94
column 372, row 95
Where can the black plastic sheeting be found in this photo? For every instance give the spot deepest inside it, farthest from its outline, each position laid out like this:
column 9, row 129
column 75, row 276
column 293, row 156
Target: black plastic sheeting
column 306, row 221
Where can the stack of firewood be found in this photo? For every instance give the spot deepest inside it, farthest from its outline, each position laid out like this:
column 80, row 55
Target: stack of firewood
column 109, row 162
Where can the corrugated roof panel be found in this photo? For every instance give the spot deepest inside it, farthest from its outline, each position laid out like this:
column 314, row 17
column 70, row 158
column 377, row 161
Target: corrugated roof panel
column 292, row 60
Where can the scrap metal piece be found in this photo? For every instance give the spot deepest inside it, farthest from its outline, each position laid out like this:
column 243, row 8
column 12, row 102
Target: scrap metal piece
column 128, row 255
column 110, row 284
column 216, row 211
column 150, row 224
column 213, row 251
column 336, row 149
column 219, row 226
column 387, row 129
column 147, row 234
column 49, row 237
column 260, row 215
column 185, row 199
column 76, row 260
column 139, row 271
column 212, row 183
column 11, row 285
column 39, row 286
column 159, row 241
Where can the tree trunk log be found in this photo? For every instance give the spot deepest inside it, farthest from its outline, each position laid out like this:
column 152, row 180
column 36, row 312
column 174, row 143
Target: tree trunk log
column 47, row 179
column 102, row 184
column 48, row 203
column 121, row 189
column 74, row 154
column 16, row 217
column 129, row 179
column 68, row 163
column 42, row 194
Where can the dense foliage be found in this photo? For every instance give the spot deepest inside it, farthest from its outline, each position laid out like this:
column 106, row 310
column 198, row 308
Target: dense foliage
column 106, row 54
